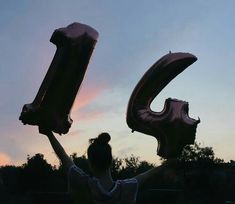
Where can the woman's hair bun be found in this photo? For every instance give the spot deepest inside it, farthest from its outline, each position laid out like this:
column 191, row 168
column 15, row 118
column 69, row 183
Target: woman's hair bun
column 103, row 138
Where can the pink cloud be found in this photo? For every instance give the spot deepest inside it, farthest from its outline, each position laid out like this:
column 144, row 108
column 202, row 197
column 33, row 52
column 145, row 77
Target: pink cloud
column 87, row 116
column 86, row 95
column 4, row 159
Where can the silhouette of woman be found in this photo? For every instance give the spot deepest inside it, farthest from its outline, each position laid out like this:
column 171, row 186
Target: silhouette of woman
column 101, row 188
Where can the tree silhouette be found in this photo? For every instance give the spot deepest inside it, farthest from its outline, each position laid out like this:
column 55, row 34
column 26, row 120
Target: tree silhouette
column 131, row 166
column 197, row 153
column 116, row 167
column 10, row 180
column 37, row 173
column 198, row 173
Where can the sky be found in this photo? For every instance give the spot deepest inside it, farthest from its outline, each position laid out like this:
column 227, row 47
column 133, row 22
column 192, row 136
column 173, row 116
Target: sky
column 133, row 35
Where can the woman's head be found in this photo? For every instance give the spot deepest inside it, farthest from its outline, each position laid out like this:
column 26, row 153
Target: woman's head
column 100, row 152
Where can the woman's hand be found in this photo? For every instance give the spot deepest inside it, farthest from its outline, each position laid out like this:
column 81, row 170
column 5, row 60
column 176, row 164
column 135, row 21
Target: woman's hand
column 45, row 131
column 59, row 150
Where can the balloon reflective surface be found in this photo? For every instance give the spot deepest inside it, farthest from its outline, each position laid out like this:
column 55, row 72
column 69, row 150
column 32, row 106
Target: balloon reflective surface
column 172, row 127
column 52, row 104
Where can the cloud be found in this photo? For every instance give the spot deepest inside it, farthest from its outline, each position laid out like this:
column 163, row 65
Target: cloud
column 124, row 152
column 4, row 159
column 86, row 96
column 82, row 109
column 87, row 116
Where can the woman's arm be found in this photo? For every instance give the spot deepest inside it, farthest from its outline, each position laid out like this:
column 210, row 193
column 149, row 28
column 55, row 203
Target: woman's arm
column 66, row 161
column 156, row 171
column 143, row 177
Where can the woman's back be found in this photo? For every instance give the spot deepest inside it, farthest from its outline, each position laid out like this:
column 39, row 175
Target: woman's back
column 85, row 189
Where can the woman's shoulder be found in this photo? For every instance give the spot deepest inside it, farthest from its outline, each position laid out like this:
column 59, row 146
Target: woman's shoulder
column 74, row 169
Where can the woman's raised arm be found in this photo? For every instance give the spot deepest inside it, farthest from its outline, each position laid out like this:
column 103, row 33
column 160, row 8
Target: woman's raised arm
column 66, row 161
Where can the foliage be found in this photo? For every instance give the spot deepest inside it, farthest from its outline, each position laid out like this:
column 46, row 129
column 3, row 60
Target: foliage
column 197, row 153
column 10, row 178
column 116, row 167
column 39, row 176
column 129, row 167
column 36, row 173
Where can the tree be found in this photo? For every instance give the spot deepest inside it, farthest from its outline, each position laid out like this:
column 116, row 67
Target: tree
column 10, row 176
column 144, row 166
column 132, row 166
column 196, row 153
column 116, row 167
column 37, row 173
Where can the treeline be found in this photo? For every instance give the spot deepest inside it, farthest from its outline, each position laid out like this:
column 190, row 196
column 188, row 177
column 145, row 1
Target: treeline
column 199, row 173
column 37, row 175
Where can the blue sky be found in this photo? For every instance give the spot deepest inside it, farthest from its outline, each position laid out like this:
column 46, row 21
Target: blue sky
column 133, row 35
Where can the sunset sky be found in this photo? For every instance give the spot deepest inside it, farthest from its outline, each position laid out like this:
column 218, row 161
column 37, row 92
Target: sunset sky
column 133, row 34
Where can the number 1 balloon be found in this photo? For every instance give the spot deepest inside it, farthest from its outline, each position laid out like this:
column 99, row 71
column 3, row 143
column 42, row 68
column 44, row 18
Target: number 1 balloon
column 52, row 104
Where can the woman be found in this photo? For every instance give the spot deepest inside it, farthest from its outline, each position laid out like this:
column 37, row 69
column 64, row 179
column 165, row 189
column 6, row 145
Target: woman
column 101, row 188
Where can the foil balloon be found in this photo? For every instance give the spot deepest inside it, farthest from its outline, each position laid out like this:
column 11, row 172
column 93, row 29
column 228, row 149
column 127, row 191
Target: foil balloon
column 52, row 104
column 172, row 127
